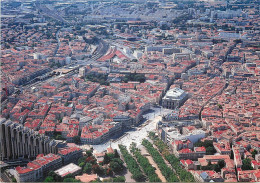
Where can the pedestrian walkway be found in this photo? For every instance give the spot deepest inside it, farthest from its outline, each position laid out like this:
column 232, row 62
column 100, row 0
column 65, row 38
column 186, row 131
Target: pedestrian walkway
column 151, row 161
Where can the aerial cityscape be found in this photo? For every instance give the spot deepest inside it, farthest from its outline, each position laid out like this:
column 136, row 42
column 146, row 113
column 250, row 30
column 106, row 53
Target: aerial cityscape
column 130, row 91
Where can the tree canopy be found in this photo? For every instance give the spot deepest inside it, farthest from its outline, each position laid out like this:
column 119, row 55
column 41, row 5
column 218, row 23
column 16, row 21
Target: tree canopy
column 208, row 144
column 134, row 77
column 132, row 165
column 183, row 174
column 166, row 171
column 246, row 164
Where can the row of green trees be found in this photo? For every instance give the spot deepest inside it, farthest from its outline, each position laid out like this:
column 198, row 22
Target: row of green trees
column 166, row 171
column 132, row 165
column 148, row 169
column 183, row 174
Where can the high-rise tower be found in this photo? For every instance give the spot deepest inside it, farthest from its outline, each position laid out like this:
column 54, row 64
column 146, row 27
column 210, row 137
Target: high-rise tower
column 18, row 142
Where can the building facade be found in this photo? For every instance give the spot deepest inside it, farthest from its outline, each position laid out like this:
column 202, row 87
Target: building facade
column 70, row 154
column 38, row 169
column 18, row 142
column 174, row 98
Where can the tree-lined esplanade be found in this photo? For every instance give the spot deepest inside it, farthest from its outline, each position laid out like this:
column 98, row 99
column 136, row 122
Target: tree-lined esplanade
column 147, row 168
column 157, row 157
column 132, row 165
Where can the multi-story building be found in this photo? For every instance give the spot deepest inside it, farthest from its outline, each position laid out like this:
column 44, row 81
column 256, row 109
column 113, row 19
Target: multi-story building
column 18, row 142
column 222, row 147
column 168, row 134
column 70, row 154
column 188, row 164
column 248, row 176
column 237, row 158
column 126, row 121
column 182, row 150
column 229, row 163
column 174, row 98
column 83, row 121
column 189, row 154
column 38, row 169
column 97, row 134
column 181, row 144
column 82, row 72
column 207, row 176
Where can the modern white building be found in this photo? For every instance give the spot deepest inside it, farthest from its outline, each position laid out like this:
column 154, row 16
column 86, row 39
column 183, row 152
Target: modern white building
column 138, row 54
column 68, row 169
column 82, row 72
column 36, row 56
column 169, row 134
